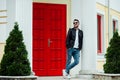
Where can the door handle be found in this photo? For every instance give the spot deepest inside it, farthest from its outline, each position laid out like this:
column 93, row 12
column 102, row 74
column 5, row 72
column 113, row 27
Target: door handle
column 49, row 42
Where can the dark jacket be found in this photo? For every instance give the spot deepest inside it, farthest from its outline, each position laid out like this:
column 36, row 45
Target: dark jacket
column 71, row 38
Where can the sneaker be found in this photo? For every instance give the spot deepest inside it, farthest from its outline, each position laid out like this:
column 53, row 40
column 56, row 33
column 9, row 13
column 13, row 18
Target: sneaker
column 68, row 76
column 64, row 74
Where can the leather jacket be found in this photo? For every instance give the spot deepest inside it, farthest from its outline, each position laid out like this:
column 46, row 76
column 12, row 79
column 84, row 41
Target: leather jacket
column 71, row 38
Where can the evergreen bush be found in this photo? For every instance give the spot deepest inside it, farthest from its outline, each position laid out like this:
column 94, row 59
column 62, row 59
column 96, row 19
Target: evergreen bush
column 14, row 61
column 112, row 64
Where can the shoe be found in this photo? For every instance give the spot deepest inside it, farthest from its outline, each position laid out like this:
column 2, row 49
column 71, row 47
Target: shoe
column 68, row 76
column 65, row 74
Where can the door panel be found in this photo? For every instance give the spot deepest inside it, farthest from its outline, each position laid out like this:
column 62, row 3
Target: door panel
column 49, row 34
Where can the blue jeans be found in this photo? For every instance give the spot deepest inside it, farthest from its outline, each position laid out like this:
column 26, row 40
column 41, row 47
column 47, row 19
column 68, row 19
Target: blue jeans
column 75, row 53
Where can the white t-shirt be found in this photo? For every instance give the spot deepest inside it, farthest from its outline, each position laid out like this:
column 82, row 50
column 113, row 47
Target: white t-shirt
column 76, row 40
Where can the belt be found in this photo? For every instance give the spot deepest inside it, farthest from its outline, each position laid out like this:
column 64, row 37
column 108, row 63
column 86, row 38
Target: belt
column 76, row 48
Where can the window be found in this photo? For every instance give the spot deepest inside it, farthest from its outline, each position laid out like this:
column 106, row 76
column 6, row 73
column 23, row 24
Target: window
column 99, row 34
column 114, row 25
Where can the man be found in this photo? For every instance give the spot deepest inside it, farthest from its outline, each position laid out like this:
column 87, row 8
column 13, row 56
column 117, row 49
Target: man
column 74, row 45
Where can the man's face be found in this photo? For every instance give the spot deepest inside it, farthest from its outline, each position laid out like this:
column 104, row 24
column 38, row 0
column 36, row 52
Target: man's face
column 76, row 24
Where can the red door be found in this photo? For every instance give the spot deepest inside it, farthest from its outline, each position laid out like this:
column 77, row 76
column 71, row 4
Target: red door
column 49, row 34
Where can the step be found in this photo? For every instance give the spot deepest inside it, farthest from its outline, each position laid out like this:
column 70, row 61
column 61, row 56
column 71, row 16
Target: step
column 103, row 76
column 18, row 77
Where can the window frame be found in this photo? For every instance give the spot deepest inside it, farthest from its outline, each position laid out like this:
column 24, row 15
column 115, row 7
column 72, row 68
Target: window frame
column 103, row 34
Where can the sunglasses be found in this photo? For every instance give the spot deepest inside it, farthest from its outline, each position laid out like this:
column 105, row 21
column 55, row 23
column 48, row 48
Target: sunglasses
column 75, row 22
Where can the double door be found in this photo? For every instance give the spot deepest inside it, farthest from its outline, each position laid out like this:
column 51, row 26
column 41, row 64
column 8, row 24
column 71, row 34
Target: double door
column 49, row 34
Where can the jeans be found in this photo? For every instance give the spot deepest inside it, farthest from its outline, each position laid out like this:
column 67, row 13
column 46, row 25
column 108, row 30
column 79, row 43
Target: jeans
column 75, row 53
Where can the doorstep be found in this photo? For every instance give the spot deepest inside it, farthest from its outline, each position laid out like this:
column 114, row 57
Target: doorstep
column 60, row 78
column 18, row 77
column 103, row 76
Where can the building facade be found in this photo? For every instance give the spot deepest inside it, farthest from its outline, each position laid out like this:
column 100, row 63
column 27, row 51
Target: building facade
column 45, row 23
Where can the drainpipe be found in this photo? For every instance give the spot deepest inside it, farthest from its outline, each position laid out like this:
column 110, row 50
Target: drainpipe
column 108, row 20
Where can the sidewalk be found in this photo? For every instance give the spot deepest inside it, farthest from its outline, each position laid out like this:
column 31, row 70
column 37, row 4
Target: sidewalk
column 59, row 78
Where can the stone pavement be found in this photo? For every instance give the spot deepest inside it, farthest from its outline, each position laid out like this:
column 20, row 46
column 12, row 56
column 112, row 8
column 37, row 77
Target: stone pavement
column 59, row 78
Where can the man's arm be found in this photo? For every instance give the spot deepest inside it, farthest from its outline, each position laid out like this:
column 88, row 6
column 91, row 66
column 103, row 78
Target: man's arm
column 68, row 39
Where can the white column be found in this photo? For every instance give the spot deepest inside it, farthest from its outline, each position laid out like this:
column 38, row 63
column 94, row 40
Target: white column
column 89, row 27
column 21, row 11
column 85, row 11
column 76, row 14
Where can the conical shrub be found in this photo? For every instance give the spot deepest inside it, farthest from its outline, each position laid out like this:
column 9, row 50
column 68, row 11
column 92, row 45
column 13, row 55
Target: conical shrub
column 15, row 61
column 112, row 64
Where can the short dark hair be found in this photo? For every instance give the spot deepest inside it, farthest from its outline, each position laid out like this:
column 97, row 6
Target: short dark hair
column 76, row 20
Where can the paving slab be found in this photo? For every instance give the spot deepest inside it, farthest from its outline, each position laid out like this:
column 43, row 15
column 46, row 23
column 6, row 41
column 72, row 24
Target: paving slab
column 59, row 78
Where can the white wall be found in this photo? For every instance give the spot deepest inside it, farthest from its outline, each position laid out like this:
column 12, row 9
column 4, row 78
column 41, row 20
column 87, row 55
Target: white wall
column 76, row 10
column 2, row 26
column 2, row 4
column 21, row 11
column 104, row 2
column 114, row 4
column 24, row 18
column 10, row 4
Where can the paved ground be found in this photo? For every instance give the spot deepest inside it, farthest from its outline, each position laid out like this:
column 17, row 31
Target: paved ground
column 59, row 78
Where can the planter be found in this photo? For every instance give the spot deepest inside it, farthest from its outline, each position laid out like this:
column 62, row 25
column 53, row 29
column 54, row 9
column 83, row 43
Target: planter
column 18, row 77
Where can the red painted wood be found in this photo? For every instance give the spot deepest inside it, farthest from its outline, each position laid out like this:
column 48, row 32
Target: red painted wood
column 114, row 25
column 99, row 34
column 49, row 24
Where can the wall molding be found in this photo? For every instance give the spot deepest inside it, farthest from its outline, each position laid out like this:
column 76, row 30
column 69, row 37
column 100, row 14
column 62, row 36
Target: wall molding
column 3, row 10
column 3, row 22
column 3, row 16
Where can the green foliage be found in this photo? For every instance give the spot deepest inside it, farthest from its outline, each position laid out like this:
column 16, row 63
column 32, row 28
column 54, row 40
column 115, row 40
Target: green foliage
column 14, row 61
column 112, row 64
